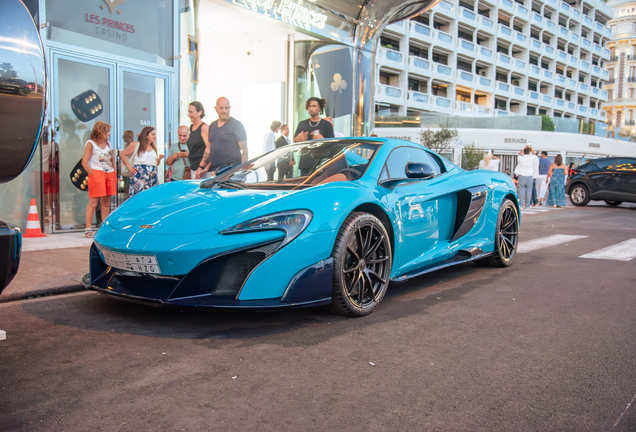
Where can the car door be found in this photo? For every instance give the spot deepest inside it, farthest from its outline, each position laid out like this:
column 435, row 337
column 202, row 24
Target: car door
column 625, row 179
column 600, row 180
column 422, row 209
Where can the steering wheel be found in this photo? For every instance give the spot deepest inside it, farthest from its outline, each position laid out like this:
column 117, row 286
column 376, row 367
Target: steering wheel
column 351, row 170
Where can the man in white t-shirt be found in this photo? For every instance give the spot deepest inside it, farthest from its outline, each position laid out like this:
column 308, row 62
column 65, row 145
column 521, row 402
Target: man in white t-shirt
column 525, row 171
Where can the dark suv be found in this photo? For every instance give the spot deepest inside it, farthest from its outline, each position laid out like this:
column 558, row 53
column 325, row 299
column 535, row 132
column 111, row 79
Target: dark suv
column 15, row 85
column 610, row 179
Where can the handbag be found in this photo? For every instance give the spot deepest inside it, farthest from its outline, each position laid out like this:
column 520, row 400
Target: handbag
column 187, row 172
column 131, row 160
column 79, row 177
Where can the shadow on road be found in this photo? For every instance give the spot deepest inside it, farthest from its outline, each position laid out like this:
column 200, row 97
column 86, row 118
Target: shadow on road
column 98, row 312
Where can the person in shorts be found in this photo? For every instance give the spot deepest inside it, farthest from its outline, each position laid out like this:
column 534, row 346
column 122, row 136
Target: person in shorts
column 98, row 162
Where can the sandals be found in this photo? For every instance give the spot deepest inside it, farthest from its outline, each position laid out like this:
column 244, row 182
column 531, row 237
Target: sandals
column 88, row 233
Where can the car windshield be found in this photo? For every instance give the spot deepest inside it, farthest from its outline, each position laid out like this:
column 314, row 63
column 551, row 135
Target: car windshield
column 301, row 165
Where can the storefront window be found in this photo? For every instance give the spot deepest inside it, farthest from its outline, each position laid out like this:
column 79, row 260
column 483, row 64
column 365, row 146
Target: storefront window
column 142, row 29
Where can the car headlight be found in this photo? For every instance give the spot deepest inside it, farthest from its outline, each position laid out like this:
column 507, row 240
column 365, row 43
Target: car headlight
column 292, row 223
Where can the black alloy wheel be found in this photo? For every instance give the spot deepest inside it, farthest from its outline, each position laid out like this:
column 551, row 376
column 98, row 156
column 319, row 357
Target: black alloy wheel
column 362, row 265
column 579, row 195
column 22, row 92
column 506, row 237
column 613, row 203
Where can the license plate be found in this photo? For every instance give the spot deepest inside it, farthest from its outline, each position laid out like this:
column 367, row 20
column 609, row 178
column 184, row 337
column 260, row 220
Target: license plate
column 136, row 263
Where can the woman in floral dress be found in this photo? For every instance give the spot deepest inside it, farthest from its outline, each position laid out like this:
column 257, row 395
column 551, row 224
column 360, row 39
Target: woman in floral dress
column 145, row 162
column 556, row 178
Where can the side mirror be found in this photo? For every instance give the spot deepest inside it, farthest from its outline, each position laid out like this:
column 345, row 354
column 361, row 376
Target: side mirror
column 417, row 170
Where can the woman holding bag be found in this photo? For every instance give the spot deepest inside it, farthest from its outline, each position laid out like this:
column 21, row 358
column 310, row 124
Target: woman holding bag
column 102, row 178
column 147, row 158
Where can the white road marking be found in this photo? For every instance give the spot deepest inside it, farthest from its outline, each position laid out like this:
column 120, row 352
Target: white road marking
column 624, row 411
column 525, row 212
column 623, row 251
column 540, row 243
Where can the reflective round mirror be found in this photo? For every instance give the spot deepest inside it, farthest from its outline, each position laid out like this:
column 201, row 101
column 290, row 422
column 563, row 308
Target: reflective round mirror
column 22, row 88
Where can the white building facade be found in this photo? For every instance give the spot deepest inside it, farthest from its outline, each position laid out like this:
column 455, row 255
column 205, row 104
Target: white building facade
column 494, row 58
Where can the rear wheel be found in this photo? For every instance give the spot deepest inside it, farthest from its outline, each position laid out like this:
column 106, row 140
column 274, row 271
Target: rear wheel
column 579, row 195
column 506, row 237
column 22, row 92
column 362, row 265
column 613, row 203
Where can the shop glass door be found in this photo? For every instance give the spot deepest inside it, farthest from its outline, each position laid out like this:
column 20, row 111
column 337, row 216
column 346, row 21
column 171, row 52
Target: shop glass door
column 82, row 95
column 143, row 103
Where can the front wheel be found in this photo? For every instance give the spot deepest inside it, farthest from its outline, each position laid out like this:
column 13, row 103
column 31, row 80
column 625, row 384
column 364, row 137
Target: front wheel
column 362, row 265
column 579, row 195
column 506, row 237
column 613, row 203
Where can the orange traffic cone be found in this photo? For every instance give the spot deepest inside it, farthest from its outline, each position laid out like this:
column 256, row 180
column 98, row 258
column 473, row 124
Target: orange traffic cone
column 33, row 222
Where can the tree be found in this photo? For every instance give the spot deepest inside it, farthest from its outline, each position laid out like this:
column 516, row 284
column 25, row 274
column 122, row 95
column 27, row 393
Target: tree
column 439, row 141
column 471, row 155
column 547, row 124
column 6, row 70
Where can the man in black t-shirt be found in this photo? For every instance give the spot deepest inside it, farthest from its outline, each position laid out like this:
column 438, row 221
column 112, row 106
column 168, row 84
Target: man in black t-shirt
column 314, row 127
column 227, row 138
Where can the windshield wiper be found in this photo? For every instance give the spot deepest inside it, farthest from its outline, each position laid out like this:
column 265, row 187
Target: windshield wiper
column 229, row 184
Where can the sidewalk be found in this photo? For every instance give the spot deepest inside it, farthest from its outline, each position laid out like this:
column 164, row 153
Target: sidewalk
column 50, row 265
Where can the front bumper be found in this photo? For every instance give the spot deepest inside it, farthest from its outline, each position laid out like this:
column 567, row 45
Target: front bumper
column 217, row 282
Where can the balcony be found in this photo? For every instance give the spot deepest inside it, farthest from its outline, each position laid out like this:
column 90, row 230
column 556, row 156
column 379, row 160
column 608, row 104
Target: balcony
column 563, row 31
column 587, row 21
column 465, row 78
column 418, row 100
column 593, row 112
column 419, row 32
column 595, row 91
column 606, row 53
column 582, row 109
column 550, row 26
column 611, row 81
column 507, row 5
column 569, row 106
column 598, row 27
column 573, row 61
column 389, row 94
column 565, row 9
column 562, row 56
column 398, row 28
column 559, row 103
column 504, row 61
column 533, row 96
column 504, row 32
column 419, row 66
column 485, row 54
column 471, row 110
column 444, row 40
column 576, row 14
column 467, row 16
column 574, row 37
column 391, row 59
column 546, row 101
column 585, row 65
column 596, row 70
column 465, row 47
column 548, row 50
column 518, row 92
column 598, row 49
column 605, row 74
column 519, row 66
column 547, row 74
column 534, row 72
column 586, row 43
column 446, row 8
column 521, row 11
column 536, row 46
column 442, row 104
column 483, row 83
column 571, row 83
column 560, row 80
column 441, row 72
column 503, row 89
column 604, row 95
column 487, row 26
column 520, row 37
column 608, row 33
column 537, row 19
column 631, row 79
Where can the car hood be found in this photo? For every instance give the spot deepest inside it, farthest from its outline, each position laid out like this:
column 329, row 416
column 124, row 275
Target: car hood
column 182, row 208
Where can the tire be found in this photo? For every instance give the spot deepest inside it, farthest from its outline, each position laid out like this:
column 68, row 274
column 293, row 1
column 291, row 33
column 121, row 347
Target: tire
column 579, row 195
column 360, row 282
column 506, row 237
column 22, row 92
column 613, row 203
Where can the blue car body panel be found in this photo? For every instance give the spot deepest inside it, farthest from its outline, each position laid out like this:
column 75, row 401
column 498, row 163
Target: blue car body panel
column 181, row 225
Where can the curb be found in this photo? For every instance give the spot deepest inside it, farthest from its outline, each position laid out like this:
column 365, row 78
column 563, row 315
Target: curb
column 42, row 293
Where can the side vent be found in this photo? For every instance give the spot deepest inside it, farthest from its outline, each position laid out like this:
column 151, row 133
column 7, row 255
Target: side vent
column 470, row 203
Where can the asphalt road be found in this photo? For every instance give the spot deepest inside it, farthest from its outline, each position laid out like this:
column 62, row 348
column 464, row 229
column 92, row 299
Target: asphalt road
column 544, row 345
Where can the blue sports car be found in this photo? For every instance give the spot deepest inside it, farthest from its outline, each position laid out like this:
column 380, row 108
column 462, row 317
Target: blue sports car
column 323, row 222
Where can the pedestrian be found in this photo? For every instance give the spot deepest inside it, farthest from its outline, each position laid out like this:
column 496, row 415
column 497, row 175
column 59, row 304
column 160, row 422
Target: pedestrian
column 570, row 169
column 525, row 172
column 127, row 137
column 98, row 162
column 227, row 141
column 269, row 140
column 336, row 134
column 556, row 180
column 283, row 139
column 198, row 143
column 147, row 158
column 489, row 162
column 178, row 156
column 314, row 127
column 542, row 180
column 535, row 176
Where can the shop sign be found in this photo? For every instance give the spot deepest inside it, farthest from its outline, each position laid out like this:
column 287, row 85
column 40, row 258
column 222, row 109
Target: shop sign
column 595, row 145
column 627, row 12
column 289, row 11
column 515, row 141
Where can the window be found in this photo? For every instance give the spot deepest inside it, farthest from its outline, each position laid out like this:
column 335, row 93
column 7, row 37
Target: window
column 626, row 165
column 396, row 163
column 604, row 164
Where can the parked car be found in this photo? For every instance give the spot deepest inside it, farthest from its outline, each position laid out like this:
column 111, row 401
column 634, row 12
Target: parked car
column 319, row 222
column 612, row 180
column 15, row 85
